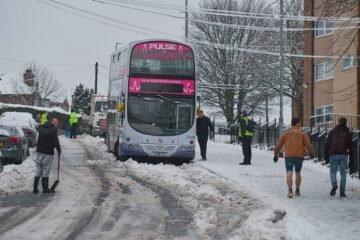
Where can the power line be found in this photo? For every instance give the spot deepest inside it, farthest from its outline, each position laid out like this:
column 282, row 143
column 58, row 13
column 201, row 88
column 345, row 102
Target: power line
column 230, row 13
column 236, row 26
column 196, row 42
column 95, row 20
column 105, row 17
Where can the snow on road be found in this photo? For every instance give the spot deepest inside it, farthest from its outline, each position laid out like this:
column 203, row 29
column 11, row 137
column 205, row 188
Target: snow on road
column 101, row 198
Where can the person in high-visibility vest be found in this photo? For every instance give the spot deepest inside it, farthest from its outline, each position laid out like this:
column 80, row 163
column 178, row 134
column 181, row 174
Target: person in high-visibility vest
column 44, row 118
column 246, row 138
column 73, row 124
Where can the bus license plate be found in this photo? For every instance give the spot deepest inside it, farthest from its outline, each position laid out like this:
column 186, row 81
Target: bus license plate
column 160, row 154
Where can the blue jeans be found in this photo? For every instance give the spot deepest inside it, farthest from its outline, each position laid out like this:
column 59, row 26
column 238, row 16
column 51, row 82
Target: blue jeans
column 341, row 161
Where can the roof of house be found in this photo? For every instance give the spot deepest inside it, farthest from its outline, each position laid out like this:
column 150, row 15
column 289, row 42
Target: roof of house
column 10, row 84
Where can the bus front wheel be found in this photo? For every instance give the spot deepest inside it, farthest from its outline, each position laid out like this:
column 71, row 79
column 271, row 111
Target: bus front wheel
column 117, row 154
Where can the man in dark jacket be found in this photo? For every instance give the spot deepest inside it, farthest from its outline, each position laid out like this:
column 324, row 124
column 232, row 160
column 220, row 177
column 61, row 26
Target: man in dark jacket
column 47, row 141
column 203, row 124
column 337, row 147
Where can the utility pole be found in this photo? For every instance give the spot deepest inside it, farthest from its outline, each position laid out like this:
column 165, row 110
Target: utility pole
column 186, row 21
column 96, row 76
column 281, row 118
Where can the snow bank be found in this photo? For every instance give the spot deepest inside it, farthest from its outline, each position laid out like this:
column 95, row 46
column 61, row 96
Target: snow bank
column 18, row 178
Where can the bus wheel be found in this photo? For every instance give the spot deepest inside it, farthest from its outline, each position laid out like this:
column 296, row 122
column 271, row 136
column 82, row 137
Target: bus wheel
column 116, row 151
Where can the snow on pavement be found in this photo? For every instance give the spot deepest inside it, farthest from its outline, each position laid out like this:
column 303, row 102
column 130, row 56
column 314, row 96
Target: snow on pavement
column 314, row 215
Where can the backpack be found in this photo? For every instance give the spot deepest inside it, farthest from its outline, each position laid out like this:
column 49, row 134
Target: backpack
column 251, row 125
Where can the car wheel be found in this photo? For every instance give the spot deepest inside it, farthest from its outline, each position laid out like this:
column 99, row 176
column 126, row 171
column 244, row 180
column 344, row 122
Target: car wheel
column 21, row 159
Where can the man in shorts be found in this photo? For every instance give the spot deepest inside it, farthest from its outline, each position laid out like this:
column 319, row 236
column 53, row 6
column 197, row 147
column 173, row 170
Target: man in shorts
column 294, row 141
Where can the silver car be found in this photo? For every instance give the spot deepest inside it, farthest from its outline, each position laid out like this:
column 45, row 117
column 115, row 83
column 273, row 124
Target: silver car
column 25, row 121
column 13, row 144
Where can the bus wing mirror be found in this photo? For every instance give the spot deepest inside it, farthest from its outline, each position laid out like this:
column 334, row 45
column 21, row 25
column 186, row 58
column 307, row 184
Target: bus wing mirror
column 121, row 107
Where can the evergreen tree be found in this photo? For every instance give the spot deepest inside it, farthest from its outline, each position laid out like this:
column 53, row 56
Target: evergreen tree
column 81, row 99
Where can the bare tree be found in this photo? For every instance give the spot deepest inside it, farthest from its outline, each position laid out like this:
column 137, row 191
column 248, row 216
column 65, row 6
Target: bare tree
column 230, row 79
column 294, row 66
column 43, row 86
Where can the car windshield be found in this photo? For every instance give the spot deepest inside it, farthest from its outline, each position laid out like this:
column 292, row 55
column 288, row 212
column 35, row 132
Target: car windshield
column 161, row 115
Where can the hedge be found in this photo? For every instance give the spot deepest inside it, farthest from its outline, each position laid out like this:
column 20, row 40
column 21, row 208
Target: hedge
column 62, row 116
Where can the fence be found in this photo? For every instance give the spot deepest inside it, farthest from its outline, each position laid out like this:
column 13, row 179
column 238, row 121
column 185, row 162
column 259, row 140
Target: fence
column 267, row 134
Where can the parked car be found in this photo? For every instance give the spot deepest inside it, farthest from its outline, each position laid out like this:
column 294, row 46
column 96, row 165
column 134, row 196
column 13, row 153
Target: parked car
column 1, row 162
column 25, row 121
column 13, row 144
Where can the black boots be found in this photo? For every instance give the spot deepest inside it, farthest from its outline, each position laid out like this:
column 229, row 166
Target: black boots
column 333, row 190
column 36, row 182
column 45, row 185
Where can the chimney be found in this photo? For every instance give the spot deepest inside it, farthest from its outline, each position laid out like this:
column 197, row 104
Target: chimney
column 29, row 78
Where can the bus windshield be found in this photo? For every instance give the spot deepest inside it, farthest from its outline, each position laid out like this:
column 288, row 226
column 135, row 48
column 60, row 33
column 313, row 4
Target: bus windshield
column 160, row 114
column 162, row 59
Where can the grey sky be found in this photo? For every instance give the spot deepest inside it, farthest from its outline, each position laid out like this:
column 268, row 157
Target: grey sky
column 33, row 31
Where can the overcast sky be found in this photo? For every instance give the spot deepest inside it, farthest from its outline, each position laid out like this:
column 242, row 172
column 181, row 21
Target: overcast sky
column 33, row 31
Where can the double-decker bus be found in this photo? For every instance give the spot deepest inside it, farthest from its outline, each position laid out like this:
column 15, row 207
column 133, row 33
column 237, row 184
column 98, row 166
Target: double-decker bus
column 151, row 101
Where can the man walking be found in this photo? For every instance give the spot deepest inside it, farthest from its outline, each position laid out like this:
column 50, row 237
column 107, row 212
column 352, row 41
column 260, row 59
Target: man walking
column 47, row 141
column 337, row 147
column 246, row 137
column 73, row 124
column 295, row 141
column 203, row 124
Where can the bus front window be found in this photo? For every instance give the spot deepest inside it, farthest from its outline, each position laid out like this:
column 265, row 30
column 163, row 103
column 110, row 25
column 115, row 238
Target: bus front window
column 160, row 115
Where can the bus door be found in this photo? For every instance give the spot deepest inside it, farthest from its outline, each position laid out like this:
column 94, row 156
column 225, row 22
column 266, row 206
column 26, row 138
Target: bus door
column 184, row 116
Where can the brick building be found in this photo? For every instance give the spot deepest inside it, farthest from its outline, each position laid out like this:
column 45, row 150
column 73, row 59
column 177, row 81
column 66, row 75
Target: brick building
column 331, row 85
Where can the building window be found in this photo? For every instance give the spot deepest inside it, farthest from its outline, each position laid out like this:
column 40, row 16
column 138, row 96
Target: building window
column 349, row 62
column 324, row 71
column 324, row 28
column 323, row 114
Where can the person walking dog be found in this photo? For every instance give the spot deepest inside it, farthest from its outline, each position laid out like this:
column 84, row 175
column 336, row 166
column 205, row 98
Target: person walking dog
column 47, row 141
column 295, row 141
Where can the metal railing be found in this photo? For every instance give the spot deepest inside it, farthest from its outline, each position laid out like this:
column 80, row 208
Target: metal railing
column 266, row 136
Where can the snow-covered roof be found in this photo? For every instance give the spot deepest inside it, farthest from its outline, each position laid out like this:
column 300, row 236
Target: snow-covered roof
column 10, row 84
column 40, row 109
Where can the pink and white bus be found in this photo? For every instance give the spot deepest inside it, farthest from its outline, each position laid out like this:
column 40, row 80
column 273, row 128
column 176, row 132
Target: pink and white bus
column 151, row 101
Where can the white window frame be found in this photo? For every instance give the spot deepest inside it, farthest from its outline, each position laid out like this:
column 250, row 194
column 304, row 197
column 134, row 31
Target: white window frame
column 325, row 75
column 325, row 118
column 353, row 62
column 327, row 30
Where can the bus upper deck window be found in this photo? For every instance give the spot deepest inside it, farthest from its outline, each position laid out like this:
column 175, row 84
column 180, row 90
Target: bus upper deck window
column 119, row 55
column 114, row 58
